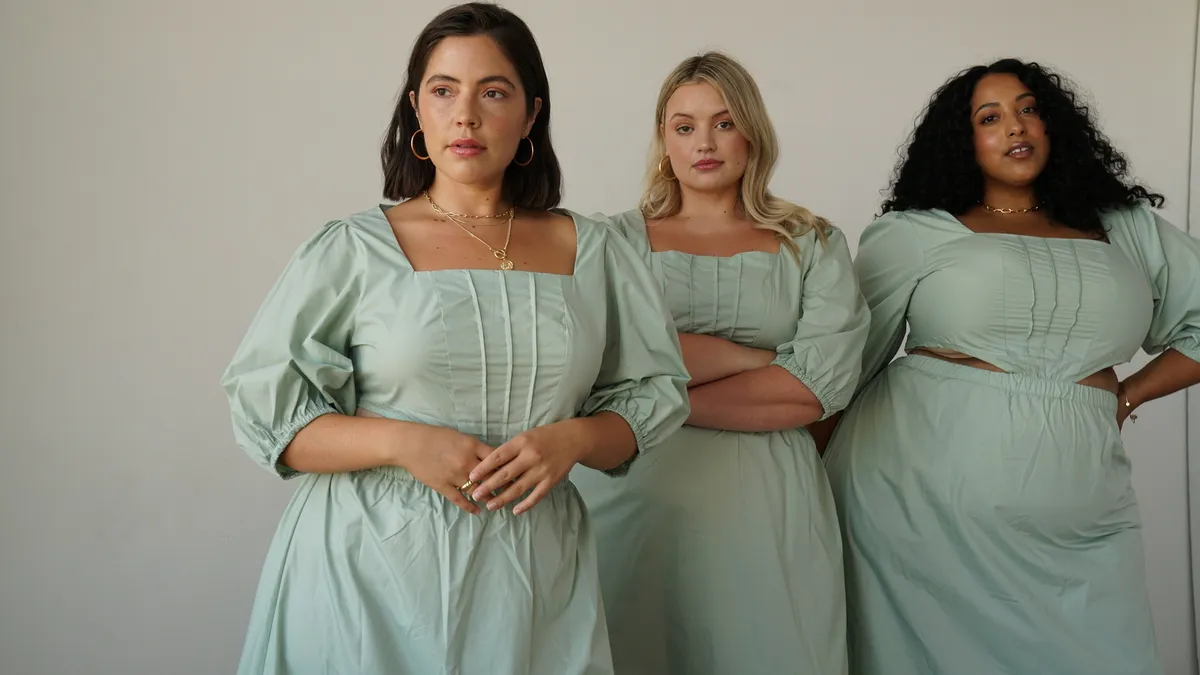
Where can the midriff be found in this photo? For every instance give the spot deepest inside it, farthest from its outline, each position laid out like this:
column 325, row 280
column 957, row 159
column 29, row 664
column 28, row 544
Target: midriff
column 1105, row 379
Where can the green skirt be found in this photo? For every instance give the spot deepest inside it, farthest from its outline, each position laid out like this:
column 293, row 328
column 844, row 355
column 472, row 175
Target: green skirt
column 374, row 573
column 720, row 554
column 990, row 526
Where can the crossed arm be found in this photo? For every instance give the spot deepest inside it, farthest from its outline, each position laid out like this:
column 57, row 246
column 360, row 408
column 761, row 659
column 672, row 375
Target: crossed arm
column 735, row 388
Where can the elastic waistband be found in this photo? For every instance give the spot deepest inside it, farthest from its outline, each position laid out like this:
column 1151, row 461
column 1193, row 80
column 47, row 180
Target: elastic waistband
column 402, row 476
column 1023, row 384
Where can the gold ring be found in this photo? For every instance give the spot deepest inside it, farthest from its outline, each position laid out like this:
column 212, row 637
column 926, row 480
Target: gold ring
column 466, row 485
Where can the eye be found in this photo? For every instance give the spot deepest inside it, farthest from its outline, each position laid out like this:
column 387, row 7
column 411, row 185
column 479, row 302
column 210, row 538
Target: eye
column 683, row 129
column 725, row 124
column 441, row 91
column 1029, row 110
column 495, row 94
column 988, row 119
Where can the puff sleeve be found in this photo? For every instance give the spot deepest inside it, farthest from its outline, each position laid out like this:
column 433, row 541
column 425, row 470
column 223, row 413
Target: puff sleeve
column 889, row 264
column 826, row 353
column 293, row 364
column 642, row 377
column 1172, row 260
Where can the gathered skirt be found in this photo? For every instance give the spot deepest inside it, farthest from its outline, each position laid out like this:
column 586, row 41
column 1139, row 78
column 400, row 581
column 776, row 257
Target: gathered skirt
column 374, row 573
column 990, row 526
column 720, row 554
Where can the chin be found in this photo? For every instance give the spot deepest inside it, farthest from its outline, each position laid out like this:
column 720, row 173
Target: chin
column 1024, row 180
column 469, row 172
column 711, row 183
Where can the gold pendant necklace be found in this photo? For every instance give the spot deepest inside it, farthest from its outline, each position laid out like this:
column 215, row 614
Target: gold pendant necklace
column 500, row 254
column 1007, row 211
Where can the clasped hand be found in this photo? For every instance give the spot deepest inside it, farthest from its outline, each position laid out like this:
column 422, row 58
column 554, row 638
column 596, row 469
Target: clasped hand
column 533, row 460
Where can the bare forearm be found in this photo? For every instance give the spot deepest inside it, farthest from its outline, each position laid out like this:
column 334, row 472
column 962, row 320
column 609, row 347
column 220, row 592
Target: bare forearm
column 605, row 440
column 764, row 399
column 339, row 443
column 710, row 358
column 1168, row 373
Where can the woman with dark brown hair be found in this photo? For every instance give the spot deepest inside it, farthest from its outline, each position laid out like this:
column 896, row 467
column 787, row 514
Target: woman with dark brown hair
column 431, row 371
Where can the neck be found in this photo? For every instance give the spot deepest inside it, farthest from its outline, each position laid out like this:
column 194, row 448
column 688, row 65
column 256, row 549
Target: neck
column 697, row 204
column 1009, row 197
column 470, row 200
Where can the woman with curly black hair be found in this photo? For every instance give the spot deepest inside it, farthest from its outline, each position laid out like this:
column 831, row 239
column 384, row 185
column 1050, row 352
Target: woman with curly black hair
column 989, row 520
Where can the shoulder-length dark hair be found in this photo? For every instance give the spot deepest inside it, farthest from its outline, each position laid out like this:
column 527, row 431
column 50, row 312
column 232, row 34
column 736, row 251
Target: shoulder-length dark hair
column 537, row 186
column 1085, row 174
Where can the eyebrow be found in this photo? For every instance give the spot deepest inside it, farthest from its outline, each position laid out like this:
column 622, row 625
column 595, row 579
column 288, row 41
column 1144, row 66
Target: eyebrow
column 490, row 79
column 687, row 116
column 993, row 104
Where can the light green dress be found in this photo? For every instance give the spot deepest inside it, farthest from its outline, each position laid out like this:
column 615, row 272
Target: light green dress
column 720, row 552
column 989, row 519
column 372, row 572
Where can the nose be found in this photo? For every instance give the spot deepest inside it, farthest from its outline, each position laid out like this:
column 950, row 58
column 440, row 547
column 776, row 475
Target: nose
column 466, row 113
column 706, row 140
column 1016, row 127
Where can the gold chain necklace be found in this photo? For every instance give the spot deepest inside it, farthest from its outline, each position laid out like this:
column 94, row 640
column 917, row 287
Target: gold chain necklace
column 1007, row 211
column 500, row 254
column 446, row 213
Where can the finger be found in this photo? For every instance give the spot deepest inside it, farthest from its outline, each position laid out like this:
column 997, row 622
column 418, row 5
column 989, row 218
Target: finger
column 460, row 500
column 515, row 490
column 494, row 460
column 502, row 477
column 540, row 491
column 482, row 450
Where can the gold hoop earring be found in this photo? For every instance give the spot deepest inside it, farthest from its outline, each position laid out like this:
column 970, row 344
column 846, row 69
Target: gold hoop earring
column 662, row 171
column 531, row 151
column 412, row 145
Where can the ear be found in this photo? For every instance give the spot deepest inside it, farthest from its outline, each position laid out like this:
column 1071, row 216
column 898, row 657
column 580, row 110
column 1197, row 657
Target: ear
column 412, row 100
column 537, row 108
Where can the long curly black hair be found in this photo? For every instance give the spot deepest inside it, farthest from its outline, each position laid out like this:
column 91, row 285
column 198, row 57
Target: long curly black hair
column 1085, row 174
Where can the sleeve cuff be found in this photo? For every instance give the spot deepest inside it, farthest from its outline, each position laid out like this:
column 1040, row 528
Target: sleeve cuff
column 625, row 411
column 285, row 437
column 1189, row 347
column 829, row 402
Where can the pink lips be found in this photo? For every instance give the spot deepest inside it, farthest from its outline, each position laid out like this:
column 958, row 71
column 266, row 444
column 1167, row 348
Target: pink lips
column 466, row 147
column 707, row 164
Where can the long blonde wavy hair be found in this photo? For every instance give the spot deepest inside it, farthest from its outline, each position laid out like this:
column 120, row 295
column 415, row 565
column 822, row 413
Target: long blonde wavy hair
column 663, row 196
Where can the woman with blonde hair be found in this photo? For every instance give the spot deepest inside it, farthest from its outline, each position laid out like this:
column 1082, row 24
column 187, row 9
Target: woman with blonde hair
column 720, row 551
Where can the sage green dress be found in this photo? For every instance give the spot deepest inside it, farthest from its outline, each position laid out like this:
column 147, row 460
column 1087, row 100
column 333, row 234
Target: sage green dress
column 989, row 518
column 372, row 572
column 720, row 551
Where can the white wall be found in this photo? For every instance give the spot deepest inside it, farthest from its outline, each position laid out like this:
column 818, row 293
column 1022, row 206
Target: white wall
column 1193, row 398
column 161, row 159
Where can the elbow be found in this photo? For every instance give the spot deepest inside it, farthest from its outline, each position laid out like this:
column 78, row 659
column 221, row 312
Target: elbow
column 805, row 407
column 787, row 416
column 803, row 414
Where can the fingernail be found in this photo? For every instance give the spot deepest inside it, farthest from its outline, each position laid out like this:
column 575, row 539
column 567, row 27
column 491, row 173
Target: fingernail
column 478, row 495
column 492, row 506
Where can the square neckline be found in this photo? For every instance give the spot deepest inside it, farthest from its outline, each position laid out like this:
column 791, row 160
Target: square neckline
column 771, row 255
column 950, row 216
column 382, row 208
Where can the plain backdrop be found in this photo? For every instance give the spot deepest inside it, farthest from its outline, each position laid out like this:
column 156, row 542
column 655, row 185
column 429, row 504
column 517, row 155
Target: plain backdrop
column 160, row 160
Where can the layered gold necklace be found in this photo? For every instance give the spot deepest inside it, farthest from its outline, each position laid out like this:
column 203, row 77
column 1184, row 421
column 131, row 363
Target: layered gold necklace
column 500, row 254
